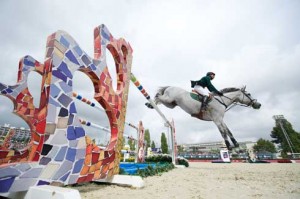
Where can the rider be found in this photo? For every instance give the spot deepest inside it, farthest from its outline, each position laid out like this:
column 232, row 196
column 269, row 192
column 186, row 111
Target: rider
column 200, row 85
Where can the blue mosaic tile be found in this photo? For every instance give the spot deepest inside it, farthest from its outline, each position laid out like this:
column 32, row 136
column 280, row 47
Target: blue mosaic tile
column 79, row 131
column 45, row 161
column 64, row 100
column 71, row 154
column 33, row 173
column 6, row 184
column 2, row 86
column 54, row 91
column 64, row 68
column 53, row 102
column 64, row 178
column 9, row 172
column 85, row 60
column 93, row 67
column 78, row 50
column 65, row 87
column 78, row 165
column 41, row 182
column 57, row 73
column 73, row 108
column 61, row 154
column 71, row 133
column 71, row 118
column 64, row 42
column 104, row 34
column 28, row 62
column 71, row 57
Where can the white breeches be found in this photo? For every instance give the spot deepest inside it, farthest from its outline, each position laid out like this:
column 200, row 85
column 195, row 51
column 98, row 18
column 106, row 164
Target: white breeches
column 201, row 90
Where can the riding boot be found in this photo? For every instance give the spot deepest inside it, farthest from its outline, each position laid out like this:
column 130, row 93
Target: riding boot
column 204, row 103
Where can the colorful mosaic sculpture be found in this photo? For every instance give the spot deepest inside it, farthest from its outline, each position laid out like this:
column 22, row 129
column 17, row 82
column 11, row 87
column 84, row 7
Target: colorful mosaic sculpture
column 60, row 151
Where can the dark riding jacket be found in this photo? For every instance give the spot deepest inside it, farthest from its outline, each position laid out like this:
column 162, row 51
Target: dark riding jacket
column 205, row 82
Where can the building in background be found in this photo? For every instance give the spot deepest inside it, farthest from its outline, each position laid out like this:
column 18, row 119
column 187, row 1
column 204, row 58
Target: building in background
column 211, row 150
column 16, row 138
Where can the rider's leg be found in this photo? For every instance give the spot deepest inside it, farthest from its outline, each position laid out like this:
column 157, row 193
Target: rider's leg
column 204, row 102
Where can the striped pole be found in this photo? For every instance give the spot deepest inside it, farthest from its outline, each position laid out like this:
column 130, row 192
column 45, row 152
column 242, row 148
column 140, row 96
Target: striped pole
column 90, row 124
column 147, row 96
column 87, row 101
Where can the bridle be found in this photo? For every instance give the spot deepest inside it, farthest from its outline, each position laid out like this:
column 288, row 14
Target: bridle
column 252, row 101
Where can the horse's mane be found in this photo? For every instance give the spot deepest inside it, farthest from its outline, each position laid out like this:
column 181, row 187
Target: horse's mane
column 228, row 90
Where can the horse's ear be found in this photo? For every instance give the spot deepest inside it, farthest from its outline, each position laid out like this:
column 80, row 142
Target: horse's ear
column 243, row 88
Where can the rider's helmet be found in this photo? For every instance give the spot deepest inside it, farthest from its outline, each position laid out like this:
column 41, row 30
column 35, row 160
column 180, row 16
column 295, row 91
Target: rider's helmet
column 210, row 73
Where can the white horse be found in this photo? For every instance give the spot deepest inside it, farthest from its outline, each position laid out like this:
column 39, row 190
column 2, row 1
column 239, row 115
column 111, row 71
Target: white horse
column 216, row 108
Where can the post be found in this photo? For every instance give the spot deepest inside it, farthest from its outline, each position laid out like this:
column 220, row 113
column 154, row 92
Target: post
column 147, row 96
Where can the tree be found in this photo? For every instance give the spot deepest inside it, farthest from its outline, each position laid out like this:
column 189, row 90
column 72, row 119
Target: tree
column 279, row 137
column 163, row 143
column 152, row 145
column 264, row 145
column 180, row 148
column 131, row 144
column 147, row 137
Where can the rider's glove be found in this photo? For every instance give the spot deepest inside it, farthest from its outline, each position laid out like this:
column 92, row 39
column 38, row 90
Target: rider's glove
column 219, row 93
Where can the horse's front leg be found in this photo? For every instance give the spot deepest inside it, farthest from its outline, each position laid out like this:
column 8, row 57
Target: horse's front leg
column 223, row 130
column 235, row 143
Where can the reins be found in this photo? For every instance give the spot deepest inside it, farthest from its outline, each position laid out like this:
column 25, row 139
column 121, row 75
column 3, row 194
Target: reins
column 234, row 103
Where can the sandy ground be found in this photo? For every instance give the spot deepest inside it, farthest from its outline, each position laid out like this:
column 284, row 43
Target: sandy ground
column 208, row 180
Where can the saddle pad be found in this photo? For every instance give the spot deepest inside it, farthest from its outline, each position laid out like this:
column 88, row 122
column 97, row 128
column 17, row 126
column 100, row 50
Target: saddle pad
column 198, row 97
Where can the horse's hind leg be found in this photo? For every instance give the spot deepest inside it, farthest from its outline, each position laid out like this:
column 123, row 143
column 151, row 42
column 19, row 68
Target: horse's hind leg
column 165, row 100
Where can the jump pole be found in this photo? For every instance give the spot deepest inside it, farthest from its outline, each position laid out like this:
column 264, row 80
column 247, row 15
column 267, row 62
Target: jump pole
column 168, row 123
column 92, row 104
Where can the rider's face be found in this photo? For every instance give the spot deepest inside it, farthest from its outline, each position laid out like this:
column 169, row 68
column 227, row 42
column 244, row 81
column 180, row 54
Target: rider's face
column 212, row 76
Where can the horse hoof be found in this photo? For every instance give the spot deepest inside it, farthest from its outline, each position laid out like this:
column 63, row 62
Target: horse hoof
column 236, row 145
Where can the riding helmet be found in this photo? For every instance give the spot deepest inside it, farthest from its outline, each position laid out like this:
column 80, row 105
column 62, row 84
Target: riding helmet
column 210, row 73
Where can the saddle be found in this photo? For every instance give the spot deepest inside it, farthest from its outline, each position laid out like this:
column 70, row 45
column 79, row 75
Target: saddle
column 198, row 97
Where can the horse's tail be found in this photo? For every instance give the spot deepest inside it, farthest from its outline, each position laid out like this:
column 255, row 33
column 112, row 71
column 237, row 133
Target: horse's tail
column 160, row 91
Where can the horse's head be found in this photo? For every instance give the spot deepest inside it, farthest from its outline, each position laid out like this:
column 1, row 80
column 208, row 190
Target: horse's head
column 246, row 98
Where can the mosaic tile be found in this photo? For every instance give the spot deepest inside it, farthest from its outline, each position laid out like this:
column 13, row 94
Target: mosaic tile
column 63, row 169
column 22, row 184
column 61, row 154
column 50, row 128
column 59, row 138
column 71, row 153
column 49, row 170
column 46, row 149
column 45, row 161
column 59, row 141
column 33, row 173
column 9, row 172
column 5, row 184
column 53, row 152
column 62, row 123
